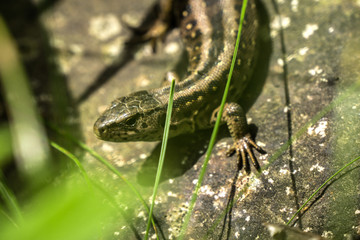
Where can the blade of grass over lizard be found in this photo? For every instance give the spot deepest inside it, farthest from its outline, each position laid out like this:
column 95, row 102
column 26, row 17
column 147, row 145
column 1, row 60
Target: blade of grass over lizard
column 162, row 154
column 216, row 128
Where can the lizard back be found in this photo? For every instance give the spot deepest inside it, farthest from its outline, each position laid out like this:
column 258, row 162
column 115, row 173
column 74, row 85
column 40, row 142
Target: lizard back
column 209, row 30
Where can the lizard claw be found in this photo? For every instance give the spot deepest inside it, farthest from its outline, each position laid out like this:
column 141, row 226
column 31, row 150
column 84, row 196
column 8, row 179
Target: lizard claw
column 243, row 148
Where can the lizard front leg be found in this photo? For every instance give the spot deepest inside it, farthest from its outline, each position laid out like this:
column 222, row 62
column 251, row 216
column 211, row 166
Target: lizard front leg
column 235, row 119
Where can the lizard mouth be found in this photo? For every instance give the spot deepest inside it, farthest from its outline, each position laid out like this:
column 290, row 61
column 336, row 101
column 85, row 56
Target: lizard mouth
column 99, row 132
column 100, row 128
column 114, row 134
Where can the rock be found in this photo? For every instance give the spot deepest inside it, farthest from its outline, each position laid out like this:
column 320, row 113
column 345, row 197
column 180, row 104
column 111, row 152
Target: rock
column 310, row 97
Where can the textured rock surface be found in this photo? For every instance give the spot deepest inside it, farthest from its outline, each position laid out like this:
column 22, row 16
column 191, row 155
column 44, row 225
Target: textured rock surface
column 322, row 53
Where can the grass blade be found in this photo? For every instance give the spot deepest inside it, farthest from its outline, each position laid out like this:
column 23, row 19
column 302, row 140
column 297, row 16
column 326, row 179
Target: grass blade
column 216, row 128
column 341, row 98
column 162, row 155
column 108, row 165
column 11, row 203
column 322, row 185
column 73, row 158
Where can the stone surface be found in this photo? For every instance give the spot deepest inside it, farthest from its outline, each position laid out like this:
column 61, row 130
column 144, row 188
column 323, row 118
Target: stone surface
column 320, row 43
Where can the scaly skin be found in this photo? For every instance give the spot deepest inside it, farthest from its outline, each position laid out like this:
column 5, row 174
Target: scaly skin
column 209, row 30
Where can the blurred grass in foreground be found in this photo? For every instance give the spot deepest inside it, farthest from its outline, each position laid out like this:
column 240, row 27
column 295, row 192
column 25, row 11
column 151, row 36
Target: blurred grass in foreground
column 66, row 208
column 70, row 210
column 30, row 144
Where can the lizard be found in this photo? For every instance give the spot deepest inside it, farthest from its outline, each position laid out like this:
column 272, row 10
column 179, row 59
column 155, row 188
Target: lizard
column 208, row 29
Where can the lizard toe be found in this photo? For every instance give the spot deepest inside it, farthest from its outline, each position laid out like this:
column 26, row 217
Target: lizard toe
column 243, row 148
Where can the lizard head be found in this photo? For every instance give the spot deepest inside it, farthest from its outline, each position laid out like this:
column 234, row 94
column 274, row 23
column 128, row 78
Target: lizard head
column 137, row 117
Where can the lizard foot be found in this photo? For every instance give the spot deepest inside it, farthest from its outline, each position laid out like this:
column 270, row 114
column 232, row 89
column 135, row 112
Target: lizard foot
column 243, row 148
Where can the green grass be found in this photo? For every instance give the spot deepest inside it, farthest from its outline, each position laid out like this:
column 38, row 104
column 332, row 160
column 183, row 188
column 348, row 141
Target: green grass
column 78, row 205
column 11, row 203
column 162, row 155
column 68, row 208
column 216, row 129
column 275, row 156
column 322, row 186
column 106, row 163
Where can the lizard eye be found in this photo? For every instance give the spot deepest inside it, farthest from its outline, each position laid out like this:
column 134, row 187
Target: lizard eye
column 131, row 122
